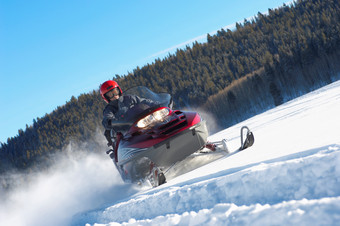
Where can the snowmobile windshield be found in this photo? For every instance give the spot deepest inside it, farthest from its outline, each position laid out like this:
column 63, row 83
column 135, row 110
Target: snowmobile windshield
column 163, row 98
column 150, row 102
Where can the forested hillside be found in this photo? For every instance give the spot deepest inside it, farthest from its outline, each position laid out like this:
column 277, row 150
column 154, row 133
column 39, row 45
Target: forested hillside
column 262, row 63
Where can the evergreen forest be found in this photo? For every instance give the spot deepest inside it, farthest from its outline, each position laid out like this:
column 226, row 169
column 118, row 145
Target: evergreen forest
column 236, row 74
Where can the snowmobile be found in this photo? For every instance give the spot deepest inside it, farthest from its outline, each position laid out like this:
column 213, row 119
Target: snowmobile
column 151, row 139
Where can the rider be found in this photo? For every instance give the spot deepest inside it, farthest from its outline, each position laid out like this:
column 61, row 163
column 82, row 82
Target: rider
column 117, row 106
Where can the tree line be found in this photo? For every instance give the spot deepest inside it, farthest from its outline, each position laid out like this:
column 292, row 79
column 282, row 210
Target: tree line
column 237, row 73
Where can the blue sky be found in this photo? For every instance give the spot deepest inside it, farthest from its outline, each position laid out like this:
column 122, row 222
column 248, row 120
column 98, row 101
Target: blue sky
column 53, row 50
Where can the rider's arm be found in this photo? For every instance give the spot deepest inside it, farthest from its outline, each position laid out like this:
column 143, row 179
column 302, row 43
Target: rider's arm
column 108, row 117
column 149, row 102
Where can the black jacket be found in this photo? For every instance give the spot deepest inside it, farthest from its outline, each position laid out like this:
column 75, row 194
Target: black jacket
column 115, row 109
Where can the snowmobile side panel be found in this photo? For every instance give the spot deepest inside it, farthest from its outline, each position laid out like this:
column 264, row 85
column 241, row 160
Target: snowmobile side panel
column 180, row 146
column 165, row 153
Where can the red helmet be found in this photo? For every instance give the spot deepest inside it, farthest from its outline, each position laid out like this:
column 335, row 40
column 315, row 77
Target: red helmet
column 106, row 87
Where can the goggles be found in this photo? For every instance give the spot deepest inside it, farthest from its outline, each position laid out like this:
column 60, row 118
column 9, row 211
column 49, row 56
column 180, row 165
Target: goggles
column 112, row 93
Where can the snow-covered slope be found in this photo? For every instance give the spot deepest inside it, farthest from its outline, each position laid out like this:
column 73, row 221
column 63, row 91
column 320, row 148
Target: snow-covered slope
column 290, row 176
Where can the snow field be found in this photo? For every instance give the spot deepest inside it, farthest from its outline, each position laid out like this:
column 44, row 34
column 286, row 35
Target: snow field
column 266, row 188
column 324, row 211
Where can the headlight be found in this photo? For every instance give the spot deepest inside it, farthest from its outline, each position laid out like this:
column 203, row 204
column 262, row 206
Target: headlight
column 156, row 116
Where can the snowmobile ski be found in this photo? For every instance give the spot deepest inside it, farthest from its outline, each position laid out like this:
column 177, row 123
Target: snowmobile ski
column 212, row 151
column 222, row 145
